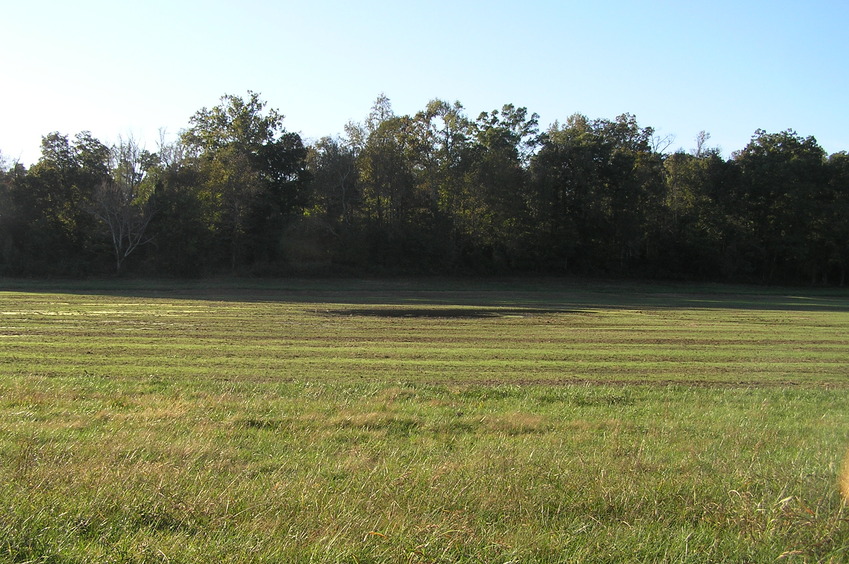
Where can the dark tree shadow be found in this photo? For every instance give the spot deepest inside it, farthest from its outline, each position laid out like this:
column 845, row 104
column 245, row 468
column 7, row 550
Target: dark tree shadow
column 457, row 298
column 448, row 312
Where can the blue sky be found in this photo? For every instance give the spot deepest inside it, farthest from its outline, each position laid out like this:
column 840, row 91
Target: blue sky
column 132, row 68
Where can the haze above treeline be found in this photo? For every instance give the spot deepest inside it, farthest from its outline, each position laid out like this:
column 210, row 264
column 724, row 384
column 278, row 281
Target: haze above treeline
column 435, row 192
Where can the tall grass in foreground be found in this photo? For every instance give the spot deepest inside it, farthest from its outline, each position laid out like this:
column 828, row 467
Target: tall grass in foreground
column 175, row 430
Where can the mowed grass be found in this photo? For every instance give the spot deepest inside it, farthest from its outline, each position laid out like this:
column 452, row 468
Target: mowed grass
column 436, row 421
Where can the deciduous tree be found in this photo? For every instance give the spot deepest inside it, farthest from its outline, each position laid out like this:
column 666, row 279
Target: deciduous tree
column 124, row 200
column 782, row 193
column 254, row 173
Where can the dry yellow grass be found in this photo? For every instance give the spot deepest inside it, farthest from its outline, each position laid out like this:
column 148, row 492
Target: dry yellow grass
column 844, row 478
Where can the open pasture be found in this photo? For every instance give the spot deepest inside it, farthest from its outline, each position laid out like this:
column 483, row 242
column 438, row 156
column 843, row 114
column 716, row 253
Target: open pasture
column 429, row 421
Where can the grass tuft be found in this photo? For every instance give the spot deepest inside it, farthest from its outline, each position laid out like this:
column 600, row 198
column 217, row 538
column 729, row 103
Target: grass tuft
column 844, row 478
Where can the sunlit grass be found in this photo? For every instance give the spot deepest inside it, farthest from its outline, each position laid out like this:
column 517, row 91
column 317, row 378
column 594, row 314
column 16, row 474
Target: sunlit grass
column 539, row 423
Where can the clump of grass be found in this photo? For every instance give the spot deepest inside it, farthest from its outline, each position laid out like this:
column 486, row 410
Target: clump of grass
column 518, row 423
column 844, row 478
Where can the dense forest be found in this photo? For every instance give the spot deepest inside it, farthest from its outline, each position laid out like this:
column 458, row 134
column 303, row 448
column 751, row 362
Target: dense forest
column 432, row 193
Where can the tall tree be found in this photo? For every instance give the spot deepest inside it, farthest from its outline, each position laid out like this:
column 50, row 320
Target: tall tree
column 333, row 168
column 782, row 192
column 835, row 228
column 699, row 233
column 385, row 172
column 597, row 191
column 55, row 199
column 441, row 134
column 9, row 221
column 494, row 198
column 254, row 174
column 181, row 230
column 439, row 149
column 565, row 210
column 123, row 202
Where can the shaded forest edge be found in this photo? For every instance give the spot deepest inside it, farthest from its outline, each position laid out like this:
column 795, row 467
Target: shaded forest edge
column 435, row 193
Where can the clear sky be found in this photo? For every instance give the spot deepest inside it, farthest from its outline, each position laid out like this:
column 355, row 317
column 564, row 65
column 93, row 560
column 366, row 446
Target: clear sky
column 728, row 67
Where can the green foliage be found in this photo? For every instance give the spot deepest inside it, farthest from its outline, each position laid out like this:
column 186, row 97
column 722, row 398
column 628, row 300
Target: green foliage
column 253, row 172
column 53, row 201
column 434, row 192
column 598, row 190
column 784, row 194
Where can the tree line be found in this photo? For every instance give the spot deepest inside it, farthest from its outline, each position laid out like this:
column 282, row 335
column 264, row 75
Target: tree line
column 432, row 193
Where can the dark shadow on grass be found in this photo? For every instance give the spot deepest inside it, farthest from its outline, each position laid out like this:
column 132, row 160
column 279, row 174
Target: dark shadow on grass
column 447, row 312
column 470, row 298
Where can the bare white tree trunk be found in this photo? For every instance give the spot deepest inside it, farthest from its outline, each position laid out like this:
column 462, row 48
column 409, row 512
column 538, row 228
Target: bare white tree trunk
column 121, row 203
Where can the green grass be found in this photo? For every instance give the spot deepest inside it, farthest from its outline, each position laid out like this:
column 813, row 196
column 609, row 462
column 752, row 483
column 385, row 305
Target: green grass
column 431, row 421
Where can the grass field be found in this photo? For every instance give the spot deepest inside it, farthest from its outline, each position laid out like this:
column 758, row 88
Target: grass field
column 428, row 421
